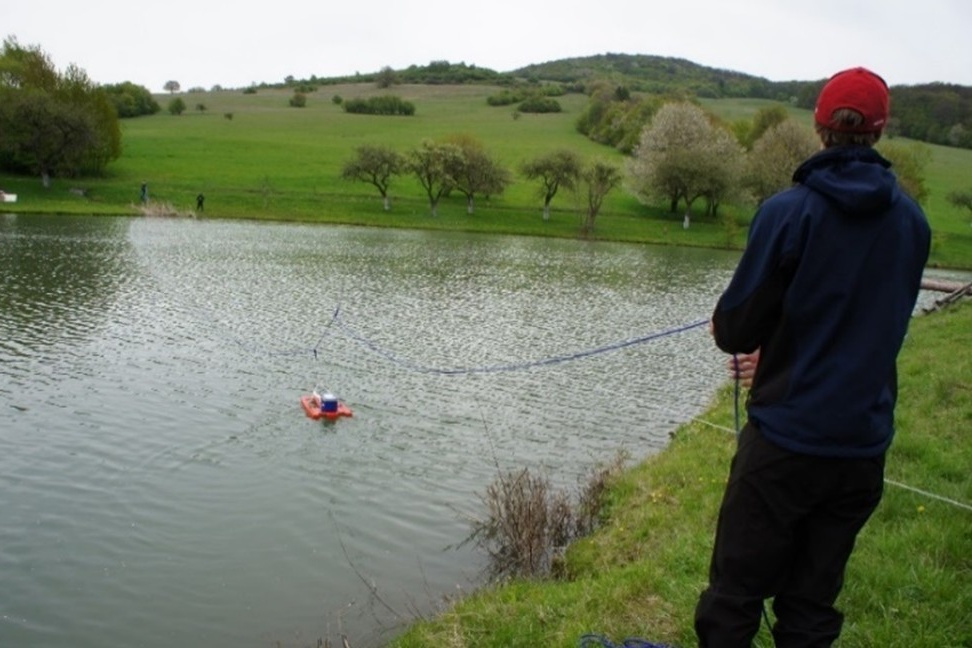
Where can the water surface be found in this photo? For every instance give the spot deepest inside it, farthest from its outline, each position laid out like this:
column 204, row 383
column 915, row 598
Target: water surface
column 160, row 486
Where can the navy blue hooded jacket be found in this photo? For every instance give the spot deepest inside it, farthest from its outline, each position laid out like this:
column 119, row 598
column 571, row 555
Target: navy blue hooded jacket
column 826, row 288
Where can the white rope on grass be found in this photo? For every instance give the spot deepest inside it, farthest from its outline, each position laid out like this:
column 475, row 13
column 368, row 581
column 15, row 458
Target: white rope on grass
column 890, row 482
column 940, row 498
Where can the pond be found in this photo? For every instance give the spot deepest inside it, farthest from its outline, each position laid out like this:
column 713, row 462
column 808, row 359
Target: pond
column 160, row 485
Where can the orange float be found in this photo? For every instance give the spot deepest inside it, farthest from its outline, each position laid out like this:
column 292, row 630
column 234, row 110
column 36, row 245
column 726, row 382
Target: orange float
column 327, row 407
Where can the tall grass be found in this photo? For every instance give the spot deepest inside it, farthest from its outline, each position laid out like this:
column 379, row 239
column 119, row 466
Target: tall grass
column 255, row 156
column 909, row 581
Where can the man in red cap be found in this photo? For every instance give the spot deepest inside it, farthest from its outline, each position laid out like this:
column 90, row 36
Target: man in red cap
column 819, row 305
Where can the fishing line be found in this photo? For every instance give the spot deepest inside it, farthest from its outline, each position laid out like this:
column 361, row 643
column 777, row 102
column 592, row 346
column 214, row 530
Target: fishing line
column 520, row 366
column 940, row 498
column 336, row 322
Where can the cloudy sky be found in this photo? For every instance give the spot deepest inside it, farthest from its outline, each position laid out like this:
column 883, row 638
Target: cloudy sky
column 233, row 44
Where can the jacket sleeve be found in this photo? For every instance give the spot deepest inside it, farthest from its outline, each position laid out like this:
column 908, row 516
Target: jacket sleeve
column 751, row 307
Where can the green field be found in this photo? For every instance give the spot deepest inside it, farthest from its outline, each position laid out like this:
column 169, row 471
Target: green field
column 254, row 156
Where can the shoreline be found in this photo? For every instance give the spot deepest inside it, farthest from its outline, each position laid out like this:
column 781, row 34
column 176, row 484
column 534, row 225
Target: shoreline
column 472, row 227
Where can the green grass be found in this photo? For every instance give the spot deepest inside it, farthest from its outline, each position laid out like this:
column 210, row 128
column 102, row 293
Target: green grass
column 271, row 161
column 909, row 582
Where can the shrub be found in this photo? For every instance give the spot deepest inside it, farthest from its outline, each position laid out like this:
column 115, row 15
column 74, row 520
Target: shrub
column 299, row 100
column 506, row 98
column 177, row 106
column 385, row 105
column 132, row 100
column 529, row 523
column 540, row 105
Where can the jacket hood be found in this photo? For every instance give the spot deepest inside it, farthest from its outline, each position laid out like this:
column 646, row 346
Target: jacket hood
column 855, row 178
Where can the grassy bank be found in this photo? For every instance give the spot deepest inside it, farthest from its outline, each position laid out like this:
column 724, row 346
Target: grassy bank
column 254, row 156
column 909, row 582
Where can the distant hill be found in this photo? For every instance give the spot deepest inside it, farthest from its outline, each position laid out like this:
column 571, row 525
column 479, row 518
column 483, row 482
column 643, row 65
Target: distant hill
column 661, row 75
column 938, row 113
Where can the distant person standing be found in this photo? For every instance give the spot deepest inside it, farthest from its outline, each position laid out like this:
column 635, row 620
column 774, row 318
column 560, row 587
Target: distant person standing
column 200, row 200
column 144, row 195
column 817, row 311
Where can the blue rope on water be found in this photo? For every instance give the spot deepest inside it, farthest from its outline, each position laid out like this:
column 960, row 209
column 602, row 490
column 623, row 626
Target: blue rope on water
column 520, row 366
column 600, row 641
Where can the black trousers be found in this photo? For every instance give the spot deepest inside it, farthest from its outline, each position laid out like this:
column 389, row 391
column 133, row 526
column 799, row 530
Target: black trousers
column 786, row 529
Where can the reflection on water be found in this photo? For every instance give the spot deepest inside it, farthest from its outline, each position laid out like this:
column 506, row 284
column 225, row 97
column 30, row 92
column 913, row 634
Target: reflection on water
column 160, row 485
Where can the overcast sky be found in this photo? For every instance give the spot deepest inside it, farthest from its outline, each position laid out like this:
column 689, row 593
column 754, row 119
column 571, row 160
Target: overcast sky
column 201, row 43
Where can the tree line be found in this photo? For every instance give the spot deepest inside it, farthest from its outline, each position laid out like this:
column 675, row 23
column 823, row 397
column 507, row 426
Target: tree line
column 460, row 163
column 682, row 157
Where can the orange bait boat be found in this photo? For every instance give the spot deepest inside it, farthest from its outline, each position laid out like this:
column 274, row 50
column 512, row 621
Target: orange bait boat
column 324, row 407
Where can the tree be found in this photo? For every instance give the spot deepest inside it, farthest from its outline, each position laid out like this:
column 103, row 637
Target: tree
column 763, row 120
column 171, row 86
column 599, row 178
column 613, row 117
column 475, row 171
column 431, row 163
column 53, row 123
column 682, row 156
column 961, row 198
column 299, row 100
column 386, row 78
column 908, row 163
column 775, row 156
column 556, row 170
column 376, row 165
column 177, row 106
column 132, row 100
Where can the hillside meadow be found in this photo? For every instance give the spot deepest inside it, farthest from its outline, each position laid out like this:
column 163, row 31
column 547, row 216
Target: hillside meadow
column 254, row 156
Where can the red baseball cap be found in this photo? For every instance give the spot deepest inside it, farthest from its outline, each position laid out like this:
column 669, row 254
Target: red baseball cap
column 858, row 89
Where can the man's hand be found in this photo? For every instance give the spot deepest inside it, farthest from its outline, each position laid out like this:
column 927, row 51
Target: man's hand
column 743, row 367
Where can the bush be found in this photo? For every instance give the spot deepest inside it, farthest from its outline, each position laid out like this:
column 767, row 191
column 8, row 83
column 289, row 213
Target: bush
column 540, row 105
column 177, row 106
column 529, row 523
column 386, row 105
column 299, row 100
column 506, row 98
column 132, row 100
